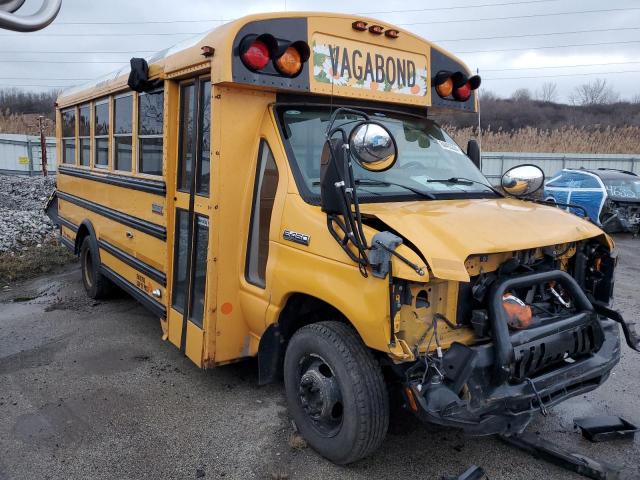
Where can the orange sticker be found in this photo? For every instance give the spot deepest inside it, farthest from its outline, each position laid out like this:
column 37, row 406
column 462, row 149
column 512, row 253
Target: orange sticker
column 226, row 308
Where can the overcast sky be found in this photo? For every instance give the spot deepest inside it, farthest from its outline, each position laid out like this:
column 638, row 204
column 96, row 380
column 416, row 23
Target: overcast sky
column 606, row 42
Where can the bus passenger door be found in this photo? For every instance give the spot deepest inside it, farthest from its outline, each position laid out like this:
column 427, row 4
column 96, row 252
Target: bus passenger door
column 186, row 315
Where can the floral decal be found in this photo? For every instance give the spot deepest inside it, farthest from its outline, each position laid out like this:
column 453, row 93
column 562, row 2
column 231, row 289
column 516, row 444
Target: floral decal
column 349, row 64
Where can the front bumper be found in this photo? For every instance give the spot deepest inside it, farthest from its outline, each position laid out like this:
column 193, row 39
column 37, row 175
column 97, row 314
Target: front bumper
column 497, row 387
column 508, row 408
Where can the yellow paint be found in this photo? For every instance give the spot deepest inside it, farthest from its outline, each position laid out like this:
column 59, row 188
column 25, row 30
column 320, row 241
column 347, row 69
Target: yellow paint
column 23, row 160
column 457, row 238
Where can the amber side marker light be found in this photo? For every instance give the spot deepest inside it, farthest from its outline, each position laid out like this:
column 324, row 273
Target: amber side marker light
column 411, row 399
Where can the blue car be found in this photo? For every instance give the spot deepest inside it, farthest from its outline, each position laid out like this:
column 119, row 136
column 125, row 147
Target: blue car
column 610, row 198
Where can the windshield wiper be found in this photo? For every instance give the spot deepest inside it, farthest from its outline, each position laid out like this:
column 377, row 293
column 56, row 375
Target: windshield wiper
column 463, row 181
column 380, row 183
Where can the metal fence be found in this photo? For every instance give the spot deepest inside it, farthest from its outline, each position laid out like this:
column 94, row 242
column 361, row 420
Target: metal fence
column 494, row 164
column 22, row 154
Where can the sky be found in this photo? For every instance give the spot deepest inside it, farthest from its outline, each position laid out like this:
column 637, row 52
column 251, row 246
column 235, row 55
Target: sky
column 514, row 44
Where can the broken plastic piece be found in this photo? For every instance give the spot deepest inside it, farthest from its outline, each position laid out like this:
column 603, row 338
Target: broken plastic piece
column 541, row 448
column 472, row 473
column 605, row 427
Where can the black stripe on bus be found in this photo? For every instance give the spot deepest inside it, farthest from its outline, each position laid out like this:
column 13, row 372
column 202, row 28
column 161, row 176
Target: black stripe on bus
column 150, row 304
column 68, row 243
column 66, row 223
column 157, row 187
column 133, row 262
column 149, row 228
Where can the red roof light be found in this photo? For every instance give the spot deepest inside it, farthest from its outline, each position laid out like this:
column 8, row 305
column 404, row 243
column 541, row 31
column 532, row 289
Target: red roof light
column 256, row 56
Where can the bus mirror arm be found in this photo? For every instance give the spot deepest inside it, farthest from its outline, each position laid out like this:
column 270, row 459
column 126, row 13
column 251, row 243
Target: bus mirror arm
column 39, row 20
column 473, row 152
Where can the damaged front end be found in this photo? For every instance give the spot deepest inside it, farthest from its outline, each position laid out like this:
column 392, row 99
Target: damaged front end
column 529, row 330
column 621, row 216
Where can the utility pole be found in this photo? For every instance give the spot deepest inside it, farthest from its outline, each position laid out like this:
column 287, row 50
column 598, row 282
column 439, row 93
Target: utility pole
column 43, row 146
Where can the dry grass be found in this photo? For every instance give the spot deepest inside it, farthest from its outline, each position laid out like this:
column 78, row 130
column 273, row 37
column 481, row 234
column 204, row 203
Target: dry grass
column 564, row 140
column 15, row 267
column 25, row 124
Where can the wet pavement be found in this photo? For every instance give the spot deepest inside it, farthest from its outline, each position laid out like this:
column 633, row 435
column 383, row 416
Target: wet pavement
column 89, row 390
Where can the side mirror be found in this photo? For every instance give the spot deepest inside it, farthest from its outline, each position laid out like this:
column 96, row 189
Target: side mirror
column 522, row 180
column 473, row 152
column 29, row 23
column 373, row 147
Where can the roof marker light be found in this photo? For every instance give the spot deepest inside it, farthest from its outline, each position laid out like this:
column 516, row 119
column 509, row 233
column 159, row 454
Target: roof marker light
column 392, row 33
column 359, row 25
column 376, row 29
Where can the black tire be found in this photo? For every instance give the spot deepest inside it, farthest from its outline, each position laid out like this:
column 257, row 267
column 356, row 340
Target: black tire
column 95, row 284
column 356, row 428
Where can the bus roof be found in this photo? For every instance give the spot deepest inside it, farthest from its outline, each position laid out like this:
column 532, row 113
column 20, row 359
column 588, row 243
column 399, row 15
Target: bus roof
column 174, row 61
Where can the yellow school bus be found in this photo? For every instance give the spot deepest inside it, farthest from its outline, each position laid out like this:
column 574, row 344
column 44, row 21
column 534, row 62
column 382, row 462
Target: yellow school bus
column 277, row 188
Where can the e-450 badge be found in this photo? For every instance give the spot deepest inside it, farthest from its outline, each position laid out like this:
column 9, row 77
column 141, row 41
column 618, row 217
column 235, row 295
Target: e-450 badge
column 301, row 238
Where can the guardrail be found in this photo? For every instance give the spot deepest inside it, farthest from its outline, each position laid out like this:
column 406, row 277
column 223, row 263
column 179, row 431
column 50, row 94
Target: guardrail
column 22, row 154
column 494, row 164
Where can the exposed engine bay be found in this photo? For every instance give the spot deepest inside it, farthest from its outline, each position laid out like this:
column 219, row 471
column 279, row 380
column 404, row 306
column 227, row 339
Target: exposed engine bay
column 526, row 332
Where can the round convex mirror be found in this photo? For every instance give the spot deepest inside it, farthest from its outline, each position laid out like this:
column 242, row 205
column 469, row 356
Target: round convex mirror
column 373, row 147
column 522, row 180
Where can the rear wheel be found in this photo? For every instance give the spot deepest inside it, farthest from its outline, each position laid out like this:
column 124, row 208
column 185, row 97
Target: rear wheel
column 335, row 392
column 96, row 285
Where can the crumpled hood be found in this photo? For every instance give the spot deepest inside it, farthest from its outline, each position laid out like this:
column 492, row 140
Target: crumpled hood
column 448, row 231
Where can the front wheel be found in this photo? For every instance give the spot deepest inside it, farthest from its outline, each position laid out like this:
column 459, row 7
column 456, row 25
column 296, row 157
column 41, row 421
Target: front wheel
column 336, row 392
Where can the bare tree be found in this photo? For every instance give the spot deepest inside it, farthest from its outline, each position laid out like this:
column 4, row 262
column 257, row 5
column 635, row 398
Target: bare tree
column 636, row 99
column 548, row 92
column 594, row 93
column 488, row 95
column 521, row 95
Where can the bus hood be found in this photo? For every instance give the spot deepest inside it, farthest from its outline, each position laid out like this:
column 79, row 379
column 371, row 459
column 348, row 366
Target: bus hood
column 447, row 231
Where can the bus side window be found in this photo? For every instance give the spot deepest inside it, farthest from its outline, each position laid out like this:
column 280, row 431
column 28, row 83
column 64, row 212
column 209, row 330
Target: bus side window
column 84, row 130
column 101, row 134
column 264, row 193
column 122, row 141
column 150, row 121
column 69, row 135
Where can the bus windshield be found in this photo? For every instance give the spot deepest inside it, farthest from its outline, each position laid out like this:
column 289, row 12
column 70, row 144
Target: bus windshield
column 428, row 159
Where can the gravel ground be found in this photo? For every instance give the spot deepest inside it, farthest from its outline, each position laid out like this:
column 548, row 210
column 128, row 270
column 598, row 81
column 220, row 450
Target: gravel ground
column 89, row 390
column 23, row 223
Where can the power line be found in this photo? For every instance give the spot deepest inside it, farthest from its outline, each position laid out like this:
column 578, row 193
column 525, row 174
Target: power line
column 536, row 34
column 49, row 78
column 219, row 20
column 66, row 61
column 119, row 34
column 562, row 75
column 458, row 52
column 560, row 66
column 461, row 7
column 398, row 11
column 537, row 15
column 79, row 52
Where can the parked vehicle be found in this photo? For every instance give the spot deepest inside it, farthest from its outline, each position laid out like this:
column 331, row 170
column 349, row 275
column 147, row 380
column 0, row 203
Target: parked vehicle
column 610, row 197
column 275, row 188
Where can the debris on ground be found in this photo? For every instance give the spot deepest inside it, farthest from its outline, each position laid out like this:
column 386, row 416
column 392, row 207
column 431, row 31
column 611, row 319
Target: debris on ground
column 23, row 223
column 29, row 243
column 472, row 473
column 605, row 427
